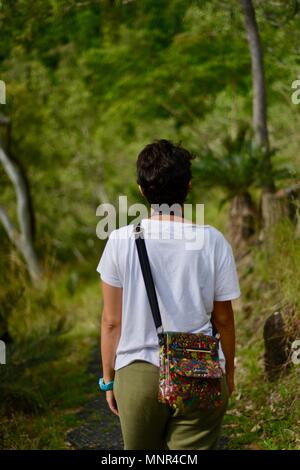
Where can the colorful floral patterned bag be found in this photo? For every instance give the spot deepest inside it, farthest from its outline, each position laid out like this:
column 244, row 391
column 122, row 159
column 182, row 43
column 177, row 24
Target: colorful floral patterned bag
column 190, row 371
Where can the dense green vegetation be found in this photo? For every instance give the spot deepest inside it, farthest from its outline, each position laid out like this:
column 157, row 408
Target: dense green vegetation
column 88, row 84
column 266, row 415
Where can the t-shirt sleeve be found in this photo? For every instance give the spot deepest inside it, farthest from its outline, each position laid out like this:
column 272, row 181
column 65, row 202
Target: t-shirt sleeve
column 108, row 264
column 226, row 279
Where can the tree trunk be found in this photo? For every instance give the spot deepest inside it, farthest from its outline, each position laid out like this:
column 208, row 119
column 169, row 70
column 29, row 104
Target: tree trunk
column 242, row 222
column 280, row 205
column 273, row 210
column 23, row 240
column 276, row 352
column 260, row 125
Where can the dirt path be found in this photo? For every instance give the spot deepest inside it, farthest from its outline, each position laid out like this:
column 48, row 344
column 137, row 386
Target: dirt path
column 100, row 428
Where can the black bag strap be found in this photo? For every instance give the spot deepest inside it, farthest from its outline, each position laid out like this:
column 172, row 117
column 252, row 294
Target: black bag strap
column 147, row 274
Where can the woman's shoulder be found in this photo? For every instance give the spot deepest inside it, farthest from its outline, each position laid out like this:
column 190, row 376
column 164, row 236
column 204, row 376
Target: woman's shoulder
column 214, row 237
column 211, row 230
column 121, row 233
column 216, row 233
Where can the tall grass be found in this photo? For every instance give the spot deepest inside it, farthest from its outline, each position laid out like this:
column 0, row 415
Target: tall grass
column 266, row 415
column 51, row 333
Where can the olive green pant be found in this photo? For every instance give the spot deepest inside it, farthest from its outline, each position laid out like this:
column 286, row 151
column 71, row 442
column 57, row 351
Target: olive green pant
column 148, row 424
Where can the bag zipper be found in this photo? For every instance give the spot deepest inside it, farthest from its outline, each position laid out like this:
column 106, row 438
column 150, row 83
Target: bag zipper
column 195, row 350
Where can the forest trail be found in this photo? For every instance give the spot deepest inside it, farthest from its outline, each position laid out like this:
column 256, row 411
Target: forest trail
column 100, row 428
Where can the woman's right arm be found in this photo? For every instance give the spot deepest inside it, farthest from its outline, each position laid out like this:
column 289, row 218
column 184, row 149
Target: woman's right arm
column 223, row 319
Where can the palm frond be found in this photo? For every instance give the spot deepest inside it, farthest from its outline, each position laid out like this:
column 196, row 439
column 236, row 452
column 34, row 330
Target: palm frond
column 238, row 167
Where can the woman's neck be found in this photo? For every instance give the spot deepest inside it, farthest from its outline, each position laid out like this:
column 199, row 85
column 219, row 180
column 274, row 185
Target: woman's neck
column 166, row 214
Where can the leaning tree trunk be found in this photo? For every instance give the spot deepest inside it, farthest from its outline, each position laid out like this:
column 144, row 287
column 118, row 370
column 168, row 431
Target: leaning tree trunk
column 23, row 239
column 270, row 211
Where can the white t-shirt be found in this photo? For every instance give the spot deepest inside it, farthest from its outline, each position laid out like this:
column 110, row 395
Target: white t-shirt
column 188, row 278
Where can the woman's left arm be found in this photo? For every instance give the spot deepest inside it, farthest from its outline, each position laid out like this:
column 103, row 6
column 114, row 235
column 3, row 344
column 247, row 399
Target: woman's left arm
column 110, row 335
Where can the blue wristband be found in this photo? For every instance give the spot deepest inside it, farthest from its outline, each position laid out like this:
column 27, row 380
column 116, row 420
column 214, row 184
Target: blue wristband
column 105, row 387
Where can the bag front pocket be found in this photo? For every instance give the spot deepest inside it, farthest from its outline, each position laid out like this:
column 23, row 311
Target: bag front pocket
column 190, row 371
column 200, row 365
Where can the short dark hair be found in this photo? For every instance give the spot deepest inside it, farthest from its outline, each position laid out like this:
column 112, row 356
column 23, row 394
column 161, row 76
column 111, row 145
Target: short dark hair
column 164, row 172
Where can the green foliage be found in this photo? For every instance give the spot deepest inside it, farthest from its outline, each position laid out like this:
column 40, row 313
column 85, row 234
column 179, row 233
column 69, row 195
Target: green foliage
column 88, row 85
column 238, row 166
